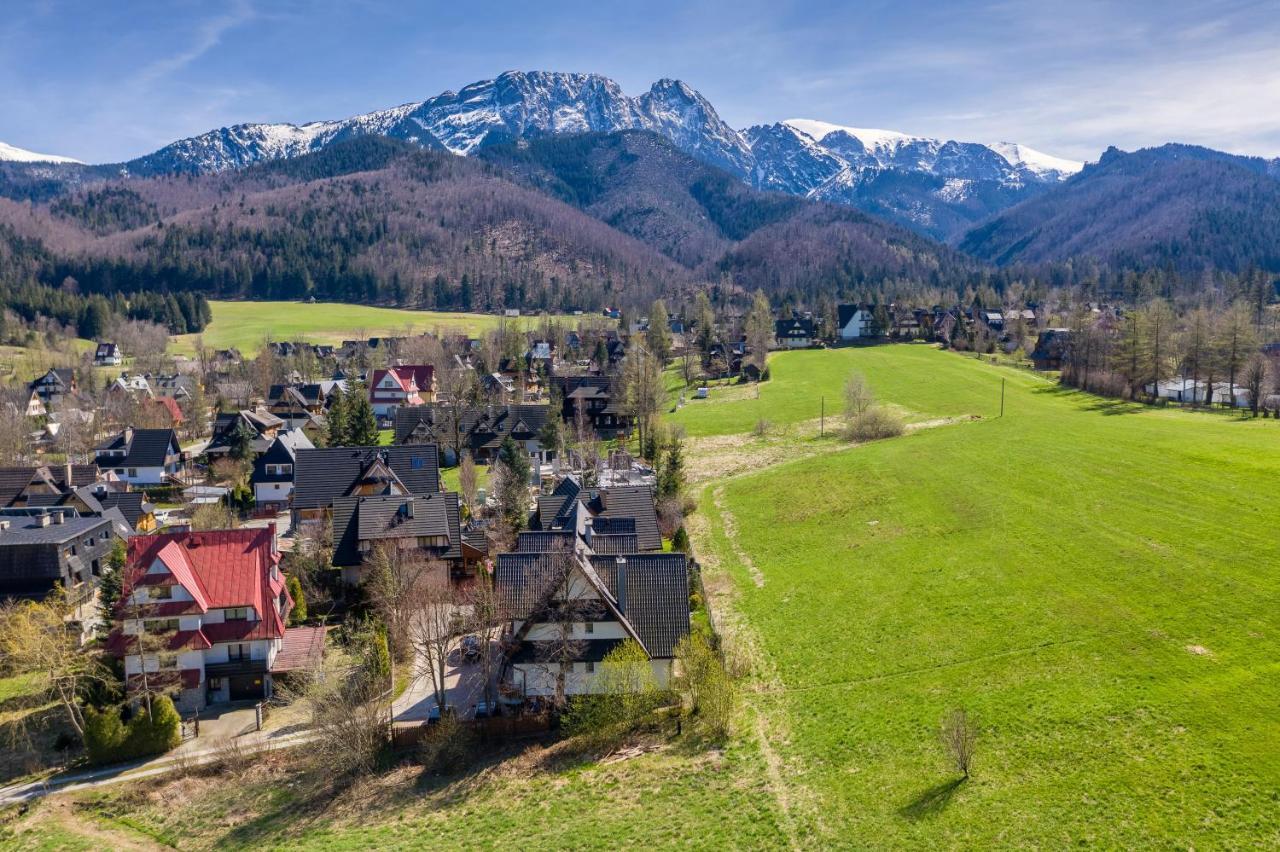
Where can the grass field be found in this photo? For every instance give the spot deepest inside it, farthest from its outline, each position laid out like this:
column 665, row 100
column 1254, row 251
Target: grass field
column 1095, row 581
column 801, row 380
column 245, row 325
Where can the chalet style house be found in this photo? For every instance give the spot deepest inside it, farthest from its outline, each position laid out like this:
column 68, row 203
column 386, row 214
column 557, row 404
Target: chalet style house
column 203, row 616
column 272, row 477
column 429, row 524
column 142, row 456
column 290, row 402
column 572, row 595
column 44, row 549
column 55, row 385
column 322, row 476
column 596, row 398
column 623, row 510
column 480, row 430
column 107, row 355
column 394, row 387
column 856, row 322
column 794, row 333
column 258, row 422
column 1052, row 346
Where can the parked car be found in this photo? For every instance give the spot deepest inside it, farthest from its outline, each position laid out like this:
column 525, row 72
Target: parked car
column 435, row 714
column 471, row 646
column 485, row 710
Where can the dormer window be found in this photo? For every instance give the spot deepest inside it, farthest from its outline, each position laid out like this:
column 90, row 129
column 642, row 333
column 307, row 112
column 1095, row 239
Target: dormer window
column 239, row 613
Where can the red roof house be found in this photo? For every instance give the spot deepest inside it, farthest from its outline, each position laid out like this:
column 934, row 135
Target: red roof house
column 205, row 610
column 394, row 387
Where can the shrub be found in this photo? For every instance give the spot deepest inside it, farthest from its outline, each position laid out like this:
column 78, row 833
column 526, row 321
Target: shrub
column 680, row 541
column 762, row 427
column 103, row 734
column 108, row 740
column 874, row 424
column 299, row 612
column 708, row 686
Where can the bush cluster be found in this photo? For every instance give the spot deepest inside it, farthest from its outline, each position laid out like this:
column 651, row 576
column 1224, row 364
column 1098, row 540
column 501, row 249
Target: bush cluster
column 108, row 739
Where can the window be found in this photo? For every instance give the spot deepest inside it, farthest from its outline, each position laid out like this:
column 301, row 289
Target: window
column 96, row 568
column 133, row 472
column 416, row 463
column 162, row 625
column 589, row 627
column 239, row 613
column 591, row 667
column 160, row 593
column 168, row 661
column 238, row 652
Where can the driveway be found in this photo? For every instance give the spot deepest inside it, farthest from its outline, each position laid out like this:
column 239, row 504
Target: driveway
column 463, row 681
column 220, row 723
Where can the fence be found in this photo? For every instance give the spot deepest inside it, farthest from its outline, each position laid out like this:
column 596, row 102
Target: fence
column 405, row 735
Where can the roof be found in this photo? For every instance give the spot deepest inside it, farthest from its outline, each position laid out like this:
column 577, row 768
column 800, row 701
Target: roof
column 220, row 568
column 303, row 648
column 131, row 504
column 323, row 475
column 630, row 501
column 390, row 517
column 796, row 327
column 845, row 313
column 483, row 427
column 408, row 377
column 15, row 480
column 144, row 448
column 170, row 405
column 26, row 529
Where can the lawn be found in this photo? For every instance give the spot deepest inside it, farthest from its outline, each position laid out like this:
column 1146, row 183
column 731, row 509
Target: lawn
column 246, row 325
column 803, row 383
column 1094, row 581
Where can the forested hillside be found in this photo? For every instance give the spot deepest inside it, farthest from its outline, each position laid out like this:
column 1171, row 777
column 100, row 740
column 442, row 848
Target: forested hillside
column 1176, row 207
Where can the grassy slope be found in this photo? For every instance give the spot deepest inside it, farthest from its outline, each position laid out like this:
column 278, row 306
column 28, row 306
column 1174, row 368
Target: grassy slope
column 1095, row 581
column 245, row 325
column 800, row 379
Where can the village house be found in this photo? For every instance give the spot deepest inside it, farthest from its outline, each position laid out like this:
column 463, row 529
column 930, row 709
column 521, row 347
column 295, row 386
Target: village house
column 133, row 385
column 1052, row 346
column 44, row 549
column 794, row 333
column 261, row 424
column 479, row 430
column 426, row 524
column 107, row 355
column 272, row 477
column 55, row 385
column 203, row 615
column 142, row 456
column 574, row 593
column 594, row 396
column 294, row 401
column 394, row 387
column 321, row 476
column 856, row 322
column 623, row 510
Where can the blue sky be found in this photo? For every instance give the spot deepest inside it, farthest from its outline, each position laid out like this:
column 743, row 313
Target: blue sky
column 105, row 81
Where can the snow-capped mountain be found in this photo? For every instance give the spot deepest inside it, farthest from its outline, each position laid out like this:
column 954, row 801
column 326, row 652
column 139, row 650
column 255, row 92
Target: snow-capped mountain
column 19, row 155
column 516, row 105
column 932, row 185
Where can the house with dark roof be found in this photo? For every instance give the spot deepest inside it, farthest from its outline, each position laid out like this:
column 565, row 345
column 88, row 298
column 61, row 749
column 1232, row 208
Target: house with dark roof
column 294, row 401
column 321, row 476
column 141, row 456
column 567, row 609
column 177, row 386
column 479, row 430
column 794, row 333
column 272, row 477
column 1052, row 346
column 258, row 422
column 203, row 615
column 428, row 525
column 18, row 484
column 55, row 385
column 596, row 399
column 856, row 322
column 107, row 355
column 628, row 509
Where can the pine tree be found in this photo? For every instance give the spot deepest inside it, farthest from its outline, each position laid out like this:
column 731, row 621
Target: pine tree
column 337, row 417
column 362, row 424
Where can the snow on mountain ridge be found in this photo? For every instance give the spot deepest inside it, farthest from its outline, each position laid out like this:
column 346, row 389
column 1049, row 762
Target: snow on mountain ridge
column 13, row 154
column 1036, row 161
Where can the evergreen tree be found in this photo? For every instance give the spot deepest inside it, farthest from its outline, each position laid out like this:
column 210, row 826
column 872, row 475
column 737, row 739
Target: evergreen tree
column 362, row 424
column 337, row 419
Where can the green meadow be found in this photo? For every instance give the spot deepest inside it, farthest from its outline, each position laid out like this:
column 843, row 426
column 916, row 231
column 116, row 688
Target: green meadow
column 1095, row 582
column 246, row 325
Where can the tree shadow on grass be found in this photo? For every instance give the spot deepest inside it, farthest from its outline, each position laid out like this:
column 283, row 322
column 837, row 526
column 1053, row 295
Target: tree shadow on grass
column 932, row 801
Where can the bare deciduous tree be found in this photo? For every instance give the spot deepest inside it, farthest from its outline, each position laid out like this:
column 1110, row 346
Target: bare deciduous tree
column 858, row 396
column 959, row 735
column 467, row 481
column 396, row 584
column 436, row 622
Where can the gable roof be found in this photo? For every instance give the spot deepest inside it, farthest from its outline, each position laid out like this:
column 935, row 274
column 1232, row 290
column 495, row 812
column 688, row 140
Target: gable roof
column 482, row 427
column 370, row 519
column 143, row 448
column 323, row 475
column 796, row 327
column 220, row 568
column 654, row 595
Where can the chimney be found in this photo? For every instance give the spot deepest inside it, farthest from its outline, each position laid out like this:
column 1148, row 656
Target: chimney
column 622, row 585
column 408, row 509
column 4, row 525
column 43, row 519
column 66, row 472
column 59, row 516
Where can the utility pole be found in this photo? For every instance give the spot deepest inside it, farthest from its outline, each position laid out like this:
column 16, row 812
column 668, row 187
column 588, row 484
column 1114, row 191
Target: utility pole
column 822, row 419
column 1002, row 397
